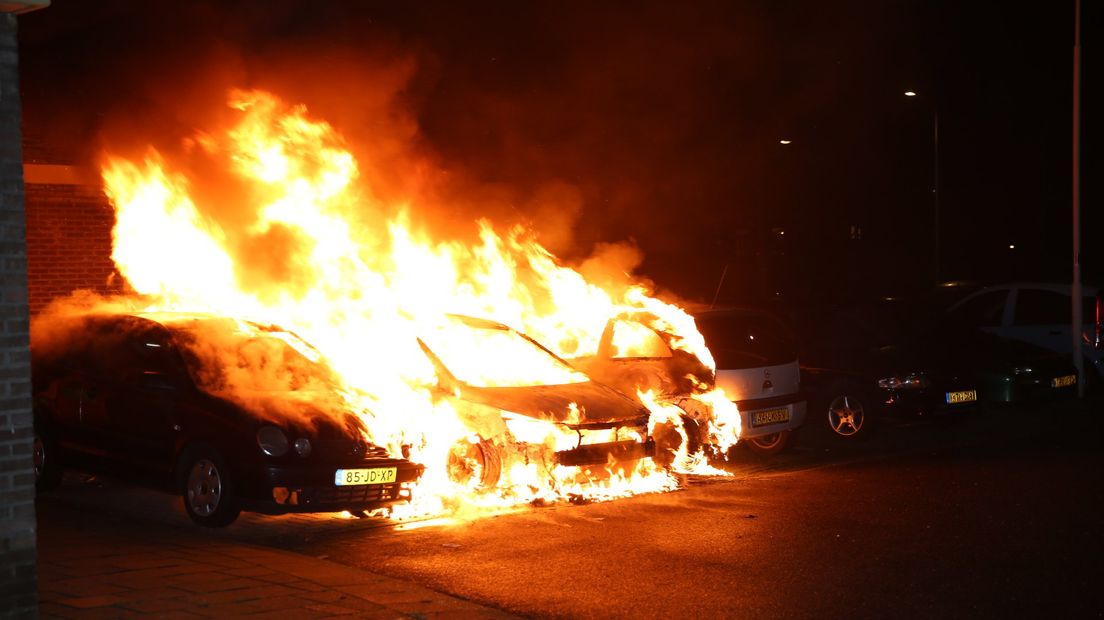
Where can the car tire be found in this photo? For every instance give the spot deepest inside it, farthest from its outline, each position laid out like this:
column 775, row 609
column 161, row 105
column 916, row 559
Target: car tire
column 47, row 467
column 848, row 415
column 475, row 464
column 207, row 487
column 668, row 440
column 769, row 445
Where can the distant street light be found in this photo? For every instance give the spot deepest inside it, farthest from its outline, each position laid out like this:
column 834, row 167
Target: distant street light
column 784, row 141
column 935, row 181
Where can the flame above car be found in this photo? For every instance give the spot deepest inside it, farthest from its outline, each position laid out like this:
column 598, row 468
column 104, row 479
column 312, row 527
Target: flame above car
column 309, row 246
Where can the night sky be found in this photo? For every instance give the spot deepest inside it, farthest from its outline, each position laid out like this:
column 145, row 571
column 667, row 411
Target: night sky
column 655, row 123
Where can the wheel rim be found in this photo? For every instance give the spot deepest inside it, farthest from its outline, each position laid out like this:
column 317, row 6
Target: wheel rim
column 204, row 488
column 466, row 463
column 39, row 455
column 845, row 415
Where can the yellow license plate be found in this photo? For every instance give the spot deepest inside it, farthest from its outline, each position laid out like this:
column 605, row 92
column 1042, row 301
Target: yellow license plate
column 965, row 396
column 770, row 416
column 352, row 477
column 1063, row 381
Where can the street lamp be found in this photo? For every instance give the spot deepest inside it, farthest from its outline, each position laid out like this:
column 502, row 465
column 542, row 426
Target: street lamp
column 935, row 181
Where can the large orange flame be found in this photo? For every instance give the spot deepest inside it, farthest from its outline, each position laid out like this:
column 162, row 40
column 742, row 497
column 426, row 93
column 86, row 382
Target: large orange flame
column 306, row 255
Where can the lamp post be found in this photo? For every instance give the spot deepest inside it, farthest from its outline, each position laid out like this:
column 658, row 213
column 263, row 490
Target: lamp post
column 935, row 185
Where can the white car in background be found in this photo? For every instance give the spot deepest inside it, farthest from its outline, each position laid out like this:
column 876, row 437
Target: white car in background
column 1038, row 313
column 757, row 367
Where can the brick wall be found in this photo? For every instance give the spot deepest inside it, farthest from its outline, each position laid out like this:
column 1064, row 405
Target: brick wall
column 68, row 242
column 18, row 580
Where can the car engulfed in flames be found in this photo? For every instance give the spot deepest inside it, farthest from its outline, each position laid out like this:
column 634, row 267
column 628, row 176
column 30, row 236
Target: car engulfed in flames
column 265, row 216
column 527, row 407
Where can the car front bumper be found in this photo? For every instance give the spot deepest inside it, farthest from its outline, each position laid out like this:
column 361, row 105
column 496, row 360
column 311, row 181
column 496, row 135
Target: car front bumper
column 300, row 488
column 928, row 402
column 1030, row 388
column 765, row 416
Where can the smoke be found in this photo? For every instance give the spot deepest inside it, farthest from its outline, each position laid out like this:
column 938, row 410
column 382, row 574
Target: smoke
column 593, row 126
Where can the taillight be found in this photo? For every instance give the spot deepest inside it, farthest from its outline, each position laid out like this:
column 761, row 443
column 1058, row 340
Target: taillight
column 1098, row 326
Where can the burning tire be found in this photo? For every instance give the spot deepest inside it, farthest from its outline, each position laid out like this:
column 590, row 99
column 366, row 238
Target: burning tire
column 475, row 464
column 206, row 487
column 47, row 468
column 669, row 440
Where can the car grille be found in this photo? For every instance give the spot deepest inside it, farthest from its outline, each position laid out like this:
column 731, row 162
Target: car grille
column 350, row 496
column 344, row 449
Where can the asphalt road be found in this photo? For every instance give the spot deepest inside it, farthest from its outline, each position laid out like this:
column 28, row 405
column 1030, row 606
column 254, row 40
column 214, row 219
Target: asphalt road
column 997, row 515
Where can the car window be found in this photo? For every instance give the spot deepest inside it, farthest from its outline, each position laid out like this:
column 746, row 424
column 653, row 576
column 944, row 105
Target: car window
column 483, row 354
column 1038, row 307
column 985, row 310
column 632, row 340
column 747, row 340
column 246, row 360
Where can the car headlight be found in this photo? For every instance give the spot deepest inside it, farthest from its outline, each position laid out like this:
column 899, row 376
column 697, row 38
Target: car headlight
column 272, row 441
column 911, row 381
column 1022, row 370
column 302, row 447
column 526, row 429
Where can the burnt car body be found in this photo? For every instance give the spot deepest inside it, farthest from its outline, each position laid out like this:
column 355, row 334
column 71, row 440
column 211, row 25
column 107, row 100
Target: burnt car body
column 756, row 366
column 128, row 393
column 883, row 360
column 513, row 393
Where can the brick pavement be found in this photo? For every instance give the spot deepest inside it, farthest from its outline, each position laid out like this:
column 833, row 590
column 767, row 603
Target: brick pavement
column 96, row 564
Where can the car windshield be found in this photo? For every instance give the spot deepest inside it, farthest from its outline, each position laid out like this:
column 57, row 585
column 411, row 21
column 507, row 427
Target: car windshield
column 489, row 355
column 746, row 339
column 231, row 356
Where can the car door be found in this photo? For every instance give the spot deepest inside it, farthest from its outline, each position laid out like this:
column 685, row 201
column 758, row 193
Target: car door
column 147, row 392
column 77, row 415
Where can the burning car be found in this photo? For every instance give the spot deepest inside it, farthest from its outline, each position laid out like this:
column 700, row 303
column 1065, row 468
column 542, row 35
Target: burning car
column 756, row 368
column 233, row 415
column 523, row 404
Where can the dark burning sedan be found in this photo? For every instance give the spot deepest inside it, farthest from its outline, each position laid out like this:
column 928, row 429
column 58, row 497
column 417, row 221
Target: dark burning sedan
column 517, row 398
column 232, row 415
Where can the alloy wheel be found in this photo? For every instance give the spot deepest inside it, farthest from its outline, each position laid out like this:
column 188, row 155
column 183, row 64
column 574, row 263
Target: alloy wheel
column 204, row 487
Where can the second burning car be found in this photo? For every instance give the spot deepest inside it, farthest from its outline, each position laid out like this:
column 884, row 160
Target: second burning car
column 522, row 401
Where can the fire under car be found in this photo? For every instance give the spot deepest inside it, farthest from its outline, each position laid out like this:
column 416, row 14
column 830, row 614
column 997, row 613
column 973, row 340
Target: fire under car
column 141, row 396
column 521, row 401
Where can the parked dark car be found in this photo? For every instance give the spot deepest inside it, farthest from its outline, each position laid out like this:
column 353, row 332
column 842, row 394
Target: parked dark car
column 232, row 415
column 518, row 398
column 865, row 363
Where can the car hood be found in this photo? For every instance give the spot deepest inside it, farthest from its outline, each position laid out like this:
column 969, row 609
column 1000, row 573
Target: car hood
column 304, row 414
column 596, row 404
